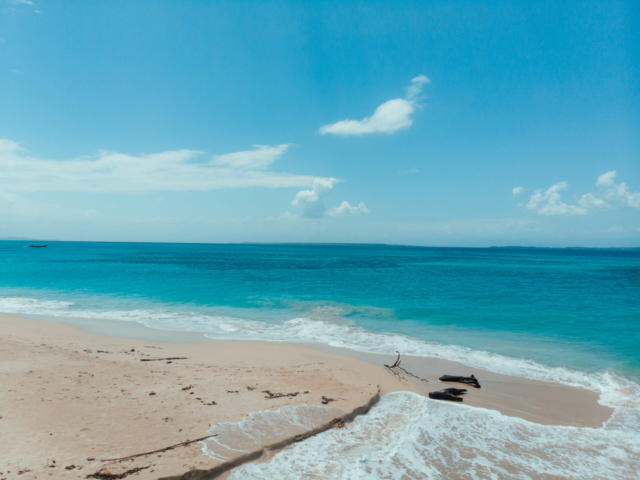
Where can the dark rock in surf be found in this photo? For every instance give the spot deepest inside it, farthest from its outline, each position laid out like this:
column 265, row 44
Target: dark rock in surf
column 468, row 380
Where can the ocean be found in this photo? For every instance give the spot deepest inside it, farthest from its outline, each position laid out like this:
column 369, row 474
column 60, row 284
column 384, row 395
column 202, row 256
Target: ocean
column 565, row 315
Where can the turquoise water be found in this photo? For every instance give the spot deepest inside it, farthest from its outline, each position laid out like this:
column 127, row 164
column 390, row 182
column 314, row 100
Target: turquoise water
column 578, row 309
column 569, row 316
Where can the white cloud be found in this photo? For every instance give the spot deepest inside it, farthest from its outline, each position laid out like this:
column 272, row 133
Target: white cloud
column 411, row 170
column 15, row 70
column 517, row 191
column 415, row 88
column 618, row 191
column 312, row 205
column 588, row 200
column 26, row 2
column 549, row 203
column 310, row 201
column 261, row 157
column 606, row 179
column 346, row 210
column 389, row 117
column 179, row 170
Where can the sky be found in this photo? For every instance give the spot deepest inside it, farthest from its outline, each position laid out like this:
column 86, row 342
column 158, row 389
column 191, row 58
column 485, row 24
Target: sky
column 458, row 123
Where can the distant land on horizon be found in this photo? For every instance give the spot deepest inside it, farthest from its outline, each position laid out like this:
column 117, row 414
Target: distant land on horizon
column 511, row 247
column 571, row 248
column 15, row 239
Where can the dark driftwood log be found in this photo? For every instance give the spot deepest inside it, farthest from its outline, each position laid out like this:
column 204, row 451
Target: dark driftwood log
column 473, row 381
column 442, row 395
column 455, row 391
column 452, row 394
column 182, row 444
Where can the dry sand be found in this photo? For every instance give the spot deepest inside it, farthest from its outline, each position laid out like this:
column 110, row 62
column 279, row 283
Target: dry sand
column 69, row 396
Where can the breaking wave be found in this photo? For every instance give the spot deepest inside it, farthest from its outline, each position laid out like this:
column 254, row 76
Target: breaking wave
column 409, row 436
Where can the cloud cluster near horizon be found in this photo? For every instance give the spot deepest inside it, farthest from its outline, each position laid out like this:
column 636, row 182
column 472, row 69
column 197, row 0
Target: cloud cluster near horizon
column 311, row 202
column 549, row 202
column 178, row 170
column 389, row 117
column 112, row 172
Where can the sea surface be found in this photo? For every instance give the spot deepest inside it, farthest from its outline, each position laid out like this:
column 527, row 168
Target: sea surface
column 565, row 315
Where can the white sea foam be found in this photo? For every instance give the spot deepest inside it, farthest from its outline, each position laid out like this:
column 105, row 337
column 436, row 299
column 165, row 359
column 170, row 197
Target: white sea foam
column 31, row 305
column 265, row 428
column 615, row 391
column 408, row 436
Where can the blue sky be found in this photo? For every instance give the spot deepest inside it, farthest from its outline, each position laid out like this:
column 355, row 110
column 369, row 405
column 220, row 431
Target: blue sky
column 392, row 122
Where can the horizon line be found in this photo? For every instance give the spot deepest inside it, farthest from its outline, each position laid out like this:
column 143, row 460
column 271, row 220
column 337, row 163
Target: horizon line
column 531, row 247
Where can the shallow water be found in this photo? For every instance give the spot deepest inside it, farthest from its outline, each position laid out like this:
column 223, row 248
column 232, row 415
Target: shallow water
column 571, row 316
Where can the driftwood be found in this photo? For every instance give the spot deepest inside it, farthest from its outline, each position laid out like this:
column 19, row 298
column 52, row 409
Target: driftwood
column 183, row 444
column 279, row 395
column 107, row 475
column 396, row 365
column 158, row 359
column 455, row 391
column 473, row 381
column 452, row 394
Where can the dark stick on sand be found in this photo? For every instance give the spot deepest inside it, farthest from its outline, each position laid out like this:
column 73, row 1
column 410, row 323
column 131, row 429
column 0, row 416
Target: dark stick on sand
column 158, row 359
column 183, row 444
column 397, row 365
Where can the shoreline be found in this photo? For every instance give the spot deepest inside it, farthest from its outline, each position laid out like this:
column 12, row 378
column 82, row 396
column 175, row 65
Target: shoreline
column 570, row 406
column 142, row 413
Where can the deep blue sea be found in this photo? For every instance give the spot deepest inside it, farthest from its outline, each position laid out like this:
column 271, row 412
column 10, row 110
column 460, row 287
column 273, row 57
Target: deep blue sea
column 567, row 315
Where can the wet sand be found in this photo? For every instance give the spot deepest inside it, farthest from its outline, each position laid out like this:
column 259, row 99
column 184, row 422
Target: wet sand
column 69, row 396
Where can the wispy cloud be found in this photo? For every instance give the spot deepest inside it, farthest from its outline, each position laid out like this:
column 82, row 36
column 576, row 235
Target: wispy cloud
column 17, row 210
column 389, row 117
column 415, row 88
column 346, row 210
column 311, row 202
column 25, row 2
column 411, row 170
column 549, row 202
column 517, row 191
column 179, row 170
column 261, row 157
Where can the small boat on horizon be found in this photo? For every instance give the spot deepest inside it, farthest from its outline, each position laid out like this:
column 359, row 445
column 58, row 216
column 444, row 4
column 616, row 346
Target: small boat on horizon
column 37, row 246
